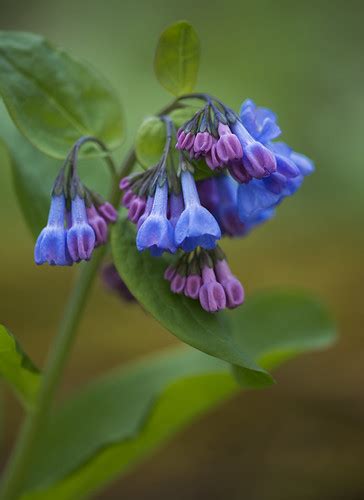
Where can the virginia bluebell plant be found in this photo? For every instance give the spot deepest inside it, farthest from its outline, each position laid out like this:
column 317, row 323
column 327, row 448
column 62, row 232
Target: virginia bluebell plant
column 177, row 214
column 199, row 172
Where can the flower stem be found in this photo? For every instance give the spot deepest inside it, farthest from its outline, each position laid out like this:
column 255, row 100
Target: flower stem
column 18, row 464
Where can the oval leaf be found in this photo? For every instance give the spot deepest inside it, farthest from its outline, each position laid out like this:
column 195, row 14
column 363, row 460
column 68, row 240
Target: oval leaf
column 184, row 317
column 53, row 98
column 17, row 369
column 124, row 416
column 177, row 58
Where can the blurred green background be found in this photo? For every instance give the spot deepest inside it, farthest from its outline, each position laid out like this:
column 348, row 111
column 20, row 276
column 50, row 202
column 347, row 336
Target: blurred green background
column 302, row 439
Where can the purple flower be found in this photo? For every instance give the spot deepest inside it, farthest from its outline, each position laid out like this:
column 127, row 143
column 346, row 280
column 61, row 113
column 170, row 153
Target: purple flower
column 206, row 276
column 124, row 183
column 212, row 295
column 114, row 283
column 169, row 272
column 237, row 173
column 193, row 286
column 147, row 210
column 136, row 209
column 107, row 211
column 258, row 161
column 212, row 158
column 128, row 197
column 185, row 140
column 202, row 143
column 80, row 236
column 98, row 224
column 178, row 282
column 196, row 225
column 51, row 243
column 234, row 290
column 228, row 147
column 156, row 232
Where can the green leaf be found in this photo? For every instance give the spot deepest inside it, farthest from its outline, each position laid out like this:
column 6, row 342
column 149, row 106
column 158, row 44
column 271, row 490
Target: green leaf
column 177, row 58
column 53, row 98
column 17, row 369
column 150, row 141
column 106, row 429
column 33, row 174
column 143, row 275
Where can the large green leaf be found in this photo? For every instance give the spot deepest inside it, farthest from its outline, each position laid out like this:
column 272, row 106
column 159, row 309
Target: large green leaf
column 17, row 369
column 210, row 333
column 34, row 173
column 177, row 58
column 53, row 98
column 107, row 428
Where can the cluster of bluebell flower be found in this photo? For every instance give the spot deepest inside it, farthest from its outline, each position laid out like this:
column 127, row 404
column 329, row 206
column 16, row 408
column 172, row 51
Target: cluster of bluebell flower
column 77, row 223
column 175, row 213
column 246, row 176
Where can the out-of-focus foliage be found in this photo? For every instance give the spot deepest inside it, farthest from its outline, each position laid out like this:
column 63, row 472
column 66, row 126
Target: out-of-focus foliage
column 107, row 428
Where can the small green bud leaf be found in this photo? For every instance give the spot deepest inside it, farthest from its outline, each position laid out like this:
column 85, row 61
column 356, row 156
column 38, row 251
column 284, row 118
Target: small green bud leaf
column 150, row 141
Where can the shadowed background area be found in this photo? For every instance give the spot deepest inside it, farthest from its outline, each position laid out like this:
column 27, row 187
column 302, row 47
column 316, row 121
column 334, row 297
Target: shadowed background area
column 303, row 438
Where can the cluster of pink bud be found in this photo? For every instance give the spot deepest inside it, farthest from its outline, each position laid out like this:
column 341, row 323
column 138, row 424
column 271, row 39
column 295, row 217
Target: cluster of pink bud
column 206, row 276
column 218, row 151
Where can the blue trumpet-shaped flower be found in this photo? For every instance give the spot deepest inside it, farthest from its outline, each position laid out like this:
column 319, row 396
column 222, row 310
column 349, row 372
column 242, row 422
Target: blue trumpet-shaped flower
column 51, row 243
column 261, row 123
column 265, row 194
column 253, row 199
column 220, row 195
column 80, row 237
column 156, row 232
column 196, row 225
column 226, row 208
